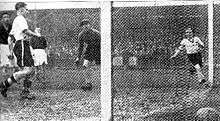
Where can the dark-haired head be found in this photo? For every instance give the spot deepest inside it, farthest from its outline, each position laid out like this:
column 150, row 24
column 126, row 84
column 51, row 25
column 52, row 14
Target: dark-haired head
column 85, row 24
column 5, row 17
column 3, row 14
column 189, row 33
column 20, row 5
column 21, row 8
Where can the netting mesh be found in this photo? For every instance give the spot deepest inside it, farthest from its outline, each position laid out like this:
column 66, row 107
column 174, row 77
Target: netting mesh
column 151, row 34
column 61, row 29
column 59, row 83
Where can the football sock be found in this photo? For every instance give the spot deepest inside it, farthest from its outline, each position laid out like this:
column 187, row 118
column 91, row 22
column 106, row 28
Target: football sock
column 8, row 82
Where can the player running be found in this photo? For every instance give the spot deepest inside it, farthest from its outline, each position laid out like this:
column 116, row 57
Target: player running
column 21, row 33
column 193, row 46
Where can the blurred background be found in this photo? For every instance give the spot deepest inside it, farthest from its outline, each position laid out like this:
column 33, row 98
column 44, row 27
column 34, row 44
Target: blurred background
column 147, row 85
column 60, row 26
column 144, row 38
column 58, row 87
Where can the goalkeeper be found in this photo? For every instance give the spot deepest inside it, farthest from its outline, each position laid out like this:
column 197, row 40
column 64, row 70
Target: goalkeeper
column 91, row 37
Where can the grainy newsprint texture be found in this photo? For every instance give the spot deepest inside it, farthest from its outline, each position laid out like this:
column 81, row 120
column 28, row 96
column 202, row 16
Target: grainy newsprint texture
column 57, row 86
column 148, row 83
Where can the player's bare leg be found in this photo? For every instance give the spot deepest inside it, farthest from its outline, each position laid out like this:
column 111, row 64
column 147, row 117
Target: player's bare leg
column 40, row 72
column 17, row 76
column 26, row 88
column 13, row 65
column 87, row 76
column 43, row 71
column 201, row 77
column 86, row 63
column 3, row 69
column 37, row 73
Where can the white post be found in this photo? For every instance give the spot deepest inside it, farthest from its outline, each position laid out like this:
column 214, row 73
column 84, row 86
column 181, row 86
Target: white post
column 210, row 40
column 106, row 102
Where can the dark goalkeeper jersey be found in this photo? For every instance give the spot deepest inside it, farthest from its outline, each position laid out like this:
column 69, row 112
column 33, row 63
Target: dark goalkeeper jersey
column 4, row 34
column 38, row 42
column 93, row 40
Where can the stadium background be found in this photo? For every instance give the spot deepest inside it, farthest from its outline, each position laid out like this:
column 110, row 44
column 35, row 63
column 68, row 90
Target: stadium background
column 154, row 32
column 151, row 34
column 58, row 92
column 157, row 29
column 61, row 29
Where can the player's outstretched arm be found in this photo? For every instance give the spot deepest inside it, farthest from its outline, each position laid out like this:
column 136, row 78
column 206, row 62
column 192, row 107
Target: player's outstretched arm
column 29, row 32
column 201, row 44
column 81, row 45
column 175, row 54
column 177, row 51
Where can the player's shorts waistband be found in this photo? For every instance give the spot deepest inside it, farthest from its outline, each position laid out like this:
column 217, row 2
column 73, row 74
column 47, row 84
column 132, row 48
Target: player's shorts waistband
column 22, row 40
column 193, row 53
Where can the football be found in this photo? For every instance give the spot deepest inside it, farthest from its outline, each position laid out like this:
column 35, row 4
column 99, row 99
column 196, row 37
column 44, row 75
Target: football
column 208, row 114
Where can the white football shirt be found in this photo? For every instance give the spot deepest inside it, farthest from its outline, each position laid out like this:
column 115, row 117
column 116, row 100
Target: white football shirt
column 18, row 26
column 191, row 46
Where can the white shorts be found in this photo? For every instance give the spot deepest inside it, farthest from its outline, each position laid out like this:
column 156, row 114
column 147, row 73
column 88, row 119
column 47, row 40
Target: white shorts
column 4, row 53
column 40, row 57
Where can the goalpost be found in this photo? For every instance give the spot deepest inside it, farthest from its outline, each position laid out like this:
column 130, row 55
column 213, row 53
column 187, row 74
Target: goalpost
column 209, row 3
column 210, row 43
column 106, row 101
column 106, row 25
column 151, row 3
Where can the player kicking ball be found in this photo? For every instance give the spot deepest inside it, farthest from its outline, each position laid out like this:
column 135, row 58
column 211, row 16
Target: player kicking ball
column 193, row 45
column 21, row 32
column 92, row 39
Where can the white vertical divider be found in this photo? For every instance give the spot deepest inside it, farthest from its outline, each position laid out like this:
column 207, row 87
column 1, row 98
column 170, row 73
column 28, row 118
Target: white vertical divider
column 106, row 102
column 210, row 40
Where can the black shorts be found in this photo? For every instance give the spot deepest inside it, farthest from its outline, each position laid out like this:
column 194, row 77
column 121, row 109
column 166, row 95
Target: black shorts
column 195, row 58
column 26, row 60
column 93, row 54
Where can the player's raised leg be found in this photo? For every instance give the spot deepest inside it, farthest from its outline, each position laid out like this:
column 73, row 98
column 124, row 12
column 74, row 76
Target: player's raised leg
column 200, row 76
column 20, row 32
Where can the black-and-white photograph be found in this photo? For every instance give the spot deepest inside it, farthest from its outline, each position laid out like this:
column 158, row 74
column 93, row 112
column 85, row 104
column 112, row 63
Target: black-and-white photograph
column 162, row 61
column 153, row 60
column 50, row 61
